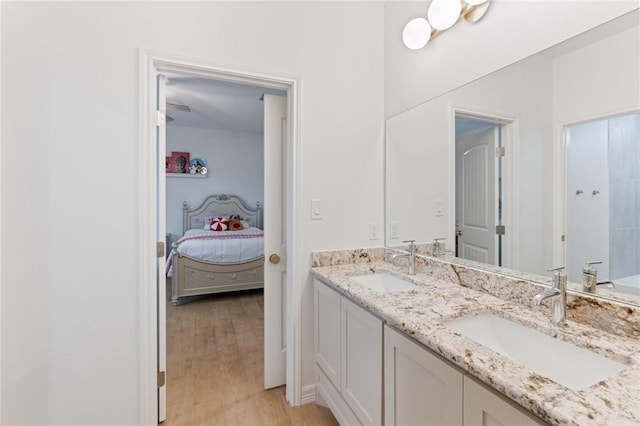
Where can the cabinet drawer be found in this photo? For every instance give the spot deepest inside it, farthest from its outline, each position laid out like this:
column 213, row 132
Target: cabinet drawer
column 196, row 278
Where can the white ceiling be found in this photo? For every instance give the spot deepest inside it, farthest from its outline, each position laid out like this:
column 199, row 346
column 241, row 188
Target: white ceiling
column 216, row 104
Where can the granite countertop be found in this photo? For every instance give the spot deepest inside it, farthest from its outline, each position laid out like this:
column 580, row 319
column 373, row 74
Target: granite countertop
column 422, row 312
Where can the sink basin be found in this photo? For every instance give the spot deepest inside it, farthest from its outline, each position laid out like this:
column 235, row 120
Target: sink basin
column 562, row 362
column 384, row 282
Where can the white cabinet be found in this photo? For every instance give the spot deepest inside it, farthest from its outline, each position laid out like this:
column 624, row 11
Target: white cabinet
column 327, row 332
column 348, row 346
column 361, row 361
column 419, row 387
column 483, row 407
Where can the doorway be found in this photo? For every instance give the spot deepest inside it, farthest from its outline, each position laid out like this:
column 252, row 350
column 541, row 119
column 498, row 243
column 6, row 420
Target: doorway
column 235, row 132
column 601, row 174
column 479, row 224
column 151, row 164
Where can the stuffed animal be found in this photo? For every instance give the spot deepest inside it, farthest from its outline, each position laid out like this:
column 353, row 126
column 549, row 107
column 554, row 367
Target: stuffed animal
column 235, row 223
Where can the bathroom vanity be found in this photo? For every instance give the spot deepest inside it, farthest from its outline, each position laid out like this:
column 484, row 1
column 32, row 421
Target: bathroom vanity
column 391, row 354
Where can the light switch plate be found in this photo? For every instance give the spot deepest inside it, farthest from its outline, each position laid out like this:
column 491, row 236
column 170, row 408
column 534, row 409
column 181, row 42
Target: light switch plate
column 373, row 231
column 316, row 209
column 393, row 233
column 439, row 207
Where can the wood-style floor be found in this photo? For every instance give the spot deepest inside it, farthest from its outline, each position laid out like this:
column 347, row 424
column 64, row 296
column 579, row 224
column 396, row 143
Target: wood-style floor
column 215, row 348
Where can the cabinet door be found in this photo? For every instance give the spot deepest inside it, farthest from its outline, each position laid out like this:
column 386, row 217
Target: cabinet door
column 362, row 363
column 419, row 387
column 327, row 331
column 482, row 407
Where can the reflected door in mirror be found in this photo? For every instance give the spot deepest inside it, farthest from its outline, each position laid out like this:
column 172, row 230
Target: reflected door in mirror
column 477, row 193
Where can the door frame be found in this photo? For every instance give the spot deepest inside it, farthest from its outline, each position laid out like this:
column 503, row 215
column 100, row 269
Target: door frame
column 510, row 176
column 151, row 63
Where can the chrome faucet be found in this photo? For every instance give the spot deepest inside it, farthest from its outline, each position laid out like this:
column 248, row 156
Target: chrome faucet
column 590, row 278
column 411, row 257
column 607, row 282
column 558, row 293
column 436, row 247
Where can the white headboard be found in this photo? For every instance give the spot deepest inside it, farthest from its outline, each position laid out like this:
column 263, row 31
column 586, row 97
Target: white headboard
column 220, row 205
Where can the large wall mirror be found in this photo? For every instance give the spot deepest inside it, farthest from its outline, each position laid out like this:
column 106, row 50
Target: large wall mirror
column 532, row 167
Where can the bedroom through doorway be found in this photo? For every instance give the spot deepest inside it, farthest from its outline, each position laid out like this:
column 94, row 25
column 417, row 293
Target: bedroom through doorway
column 225, row 139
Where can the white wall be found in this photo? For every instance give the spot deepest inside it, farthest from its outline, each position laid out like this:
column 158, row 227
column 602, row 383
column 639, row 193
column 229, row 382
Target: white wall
column 510, row 30
column 70, row 328
column 614, row 63
column 235, row 163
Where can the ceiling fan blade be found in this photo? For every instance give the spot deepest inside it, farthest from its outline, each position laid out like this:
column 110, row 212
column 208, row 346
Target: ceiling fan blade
column 169, row 119
column 178, row 107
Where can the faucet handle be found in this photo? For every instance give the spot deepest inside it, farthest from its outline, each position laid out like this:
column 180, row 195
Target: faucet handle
column 588, row 269
column 409, row 241
column 559, row 280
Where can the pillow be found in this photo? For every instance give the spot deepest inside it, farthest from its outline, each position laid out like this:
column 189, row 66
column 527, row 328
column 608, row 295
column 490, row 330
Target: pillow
column 207, row 222
column 219, row 223
column 235, row 224
column 245, row 223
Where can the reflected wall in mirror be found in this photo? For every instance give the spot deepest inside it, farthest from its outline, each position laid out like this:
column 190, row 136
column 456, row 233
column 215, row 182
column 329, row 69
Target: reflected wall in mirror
column 531, row 103
column 603, row 201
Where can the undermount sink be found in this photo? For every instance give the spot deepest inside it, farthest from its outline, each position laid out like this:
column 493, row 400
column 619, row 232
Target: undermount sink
column 562, row 362
column 384, row 282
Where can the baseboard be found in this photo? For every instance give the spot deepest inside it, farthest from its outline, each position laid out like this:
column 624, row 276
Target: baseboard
column 308, row 394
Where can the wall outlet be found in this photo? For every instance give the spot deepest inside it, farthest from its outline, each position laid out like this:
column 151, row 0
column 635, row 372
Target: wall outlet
column 373, row 231
column 393, row 232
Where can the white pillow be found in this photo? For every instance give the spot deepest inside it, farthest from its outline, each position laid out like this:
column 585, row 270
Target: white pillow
column 207, row 223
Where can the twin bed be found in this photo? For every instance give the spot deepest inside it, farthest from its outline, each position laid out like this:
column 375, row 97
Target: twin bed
column 204, row 261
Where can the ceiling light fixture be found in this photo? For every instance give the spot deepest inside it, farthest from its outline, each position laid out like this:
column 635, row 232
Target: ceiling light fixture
column 441, row 15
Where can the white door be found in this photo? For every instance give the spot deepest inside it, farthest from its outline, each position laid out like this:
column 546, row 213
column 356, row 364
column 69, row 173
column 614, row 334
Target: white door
column 476, row 195
column 275, row 242
column 160, row 237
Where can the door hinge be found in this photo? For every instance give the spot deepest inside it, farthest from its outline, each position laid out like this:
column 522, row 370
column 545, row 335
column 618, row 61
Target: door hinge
column 161, row 118
column 500, row 151
column 160, row 249
column 161, row 378
column 500, row 230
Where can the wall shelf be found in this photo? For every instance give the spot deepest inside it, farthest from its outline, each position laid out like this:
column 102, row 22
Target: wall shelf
column 186, row 175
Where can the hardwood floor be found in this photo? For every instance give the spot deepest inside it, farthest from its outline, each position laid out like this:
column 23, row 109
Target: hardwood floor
column 215, row 349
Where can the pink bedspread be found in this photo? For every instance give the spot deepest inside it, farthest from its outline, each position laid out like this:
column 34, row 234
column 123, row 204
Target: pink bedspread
column 211, row 235
column 214, row 235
